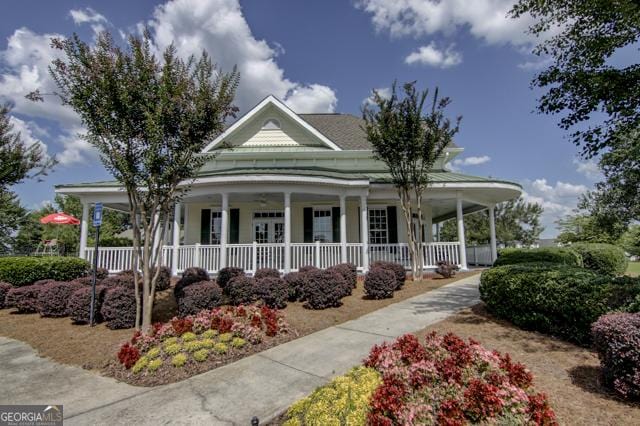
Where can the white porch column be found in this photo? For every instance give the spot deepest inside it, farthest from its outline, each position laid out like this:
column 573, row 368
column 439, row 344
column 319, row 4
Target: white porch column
column 175, row 240
column 287, row 232
column 463, row 248
column 428, row 223
column 224, row 229
column 364, row 232
column 84, row 230
column 343, row 228
column 492, row 233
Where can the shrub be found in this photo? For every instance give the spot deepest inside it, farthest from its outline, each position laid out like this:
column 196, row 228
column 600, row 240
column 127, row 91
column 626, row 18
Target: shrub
column 295, row 283
column 565, row 256
column 220, row 348
column 446, row 269
column 348, row 271
column 179, row 360
column 101, row 273
column 307, row 268
column 323, row 289
column 164, row 278
column 4, row 289
column 616, row 338
column 120, row 280
column 23, row 299
column 195, row 298
column 119, row 308
column 201, row 355
column 140, row 365
column 79, row 304
column 449, row 381
column 242, row 290
column 173, row 348
column 266, row 272
column 554, row 298
column 238, row 342
column 273, row 291
column 225, row 275
column 54, row 298
column 606, row 259
column 43, row 282
column 21, row 271
column 397, row 269
column 128, row 355
column 380, row 283
column 190, row 276
column 344, row 400
column 154, row 365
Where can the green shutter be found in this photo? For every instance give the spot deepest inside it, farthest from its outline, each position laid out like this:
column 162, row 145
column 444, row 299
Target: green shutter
column 234, row 226
column 392, row 224
column 308, row 224
column 205, row 226
column 335, row 222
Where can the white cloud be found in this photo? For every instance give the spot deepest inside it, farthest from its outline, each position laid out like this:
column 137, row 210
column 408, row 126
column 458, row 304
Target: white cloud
column 472, row 161
column 485, row 19
column 558, row 200
column 27, row 131
column 588, row 168
column 384, row 92
column 220, row 27
column 536, row 64
column 86, row 15
column 432, row 56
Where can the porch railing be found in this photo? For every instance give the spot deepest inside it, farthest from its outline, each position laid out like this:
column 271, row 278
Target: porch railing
column 479, row 255
column 255, row 256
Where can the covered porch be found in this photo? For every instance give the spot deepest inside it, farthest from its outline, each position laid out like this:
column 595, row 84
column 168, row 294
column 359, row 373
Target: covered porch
column 293, row 223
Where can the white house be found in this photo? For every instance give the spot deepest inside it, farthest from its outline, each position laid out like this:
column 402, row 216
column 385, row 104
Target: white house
column 288, row 190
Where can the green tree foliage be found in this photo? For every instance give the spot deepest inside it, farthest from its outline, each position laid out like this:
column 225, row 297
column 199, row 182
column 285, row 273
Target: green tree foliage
column 409, row 140
column 583, row 81
column 12, row 215
column 516, row 221
column 630, row 240
column 32, row 232
column 149, row 119
column 588, row 228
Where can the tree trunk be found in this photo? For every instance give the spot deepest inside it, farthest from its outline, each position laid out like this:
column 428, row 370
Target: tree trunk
column 405, row 202
column 420, row 246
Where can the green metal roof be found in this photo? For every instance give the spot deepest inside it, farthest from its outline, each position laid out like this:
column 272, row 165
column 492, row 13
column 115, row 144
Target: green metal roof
column 439, row 176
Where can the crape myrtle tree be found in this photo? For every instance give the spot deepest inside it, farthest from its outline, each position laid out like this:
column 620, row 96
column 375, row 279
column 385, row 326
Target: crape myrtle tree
column 409, row 136
column 516, row 221
column 149, row 119
column 593, row 82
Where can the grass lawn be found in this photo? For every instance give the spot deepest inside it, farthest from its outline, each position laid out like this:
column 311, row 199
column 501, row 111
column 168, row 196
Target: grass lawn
column 633, row 269
column 95, row 348
column 568, row 374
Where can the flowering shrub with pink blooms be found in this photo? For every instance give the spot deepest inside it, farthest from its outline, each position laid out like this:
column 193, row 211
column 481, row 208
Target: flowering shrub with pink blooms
column 449, row 381
column 616, row 338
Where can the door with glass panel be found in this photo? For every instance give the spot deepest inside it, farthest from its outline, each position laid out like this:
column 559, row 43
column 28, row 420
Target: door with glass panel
column 268, row 229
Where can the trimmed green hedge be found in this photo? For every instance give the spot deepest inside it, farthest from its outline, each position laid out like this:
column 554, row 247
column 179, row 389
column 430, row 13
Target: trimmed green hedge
column 556, row 299
column 21, row 271
column 512, row 256
column 606, row 259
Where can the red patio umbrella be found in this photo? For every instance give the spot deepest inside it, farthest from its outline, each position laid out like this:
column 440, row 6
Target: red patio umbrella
column 60, row 219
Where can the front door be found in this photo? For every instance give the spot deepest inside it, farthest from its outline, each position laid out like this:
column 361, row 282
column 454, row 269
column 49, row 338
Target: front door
column 268, row 230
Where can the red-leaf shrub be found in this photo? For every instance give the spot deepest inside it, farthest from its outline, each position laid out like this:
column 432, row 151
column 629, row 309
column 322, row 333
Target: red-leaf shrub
column 195, row 298
column 79, row 305
column 225, row 275
column 266, row 272
column 616, row 338
column 446, row 269
column 242, row 290
column 4, row 289
column 380, row 283
column 307, row 268
column 164, row 278
column 348, row 271
column 23, row 299
column 181, row 325
column 86, row 281
column 119, row 308
column 101, row 273
column 128, row 355
column 190, row 276
column 273, row 291
column 43, row 282
column 449, row 381
column 295, row 283
column 120, row 280
column 54, row 297
column 323, row 289
column 397, row 269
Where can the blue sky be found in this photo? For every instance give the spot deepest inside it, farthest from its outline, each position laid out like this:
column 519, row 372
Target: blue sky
column 318, row 57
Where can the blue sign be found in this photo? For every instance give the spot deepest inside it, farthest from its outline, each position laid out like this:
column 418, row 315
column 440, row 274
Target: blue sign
column 97, row 214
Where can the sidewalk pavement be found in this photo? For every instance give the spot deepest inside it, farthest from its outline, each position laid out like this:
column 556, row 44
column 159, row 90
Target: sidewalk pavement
column 261, row 385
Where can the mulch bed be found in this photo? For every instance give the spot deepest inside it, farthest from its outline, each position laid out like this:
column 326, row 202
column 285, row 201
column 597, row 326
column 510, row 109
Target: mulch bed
column 568, row 374
column 95, row 348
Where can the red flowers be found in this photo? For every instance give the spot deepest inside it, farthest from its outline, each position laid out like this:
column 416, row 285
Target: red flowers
column 128, row 355
column 181, row 325
column 452, row 382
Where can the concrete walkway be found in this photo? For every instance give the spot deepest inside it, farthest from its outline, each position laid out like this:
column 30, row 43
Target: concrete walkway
column 262, row 385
